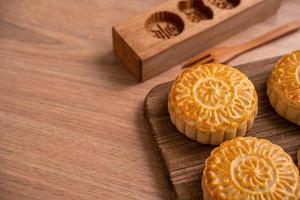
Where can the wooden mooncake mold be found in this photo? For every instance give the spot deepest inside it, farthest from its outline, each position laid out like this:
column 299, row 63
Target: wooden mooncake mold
column 170, row 33
column 212, row 103
column 283, row 87
column 250, row 168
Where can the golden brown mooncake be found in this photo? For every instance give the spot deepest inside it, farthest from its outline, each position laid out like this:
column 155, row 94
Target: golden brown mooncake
column 250, row 168
column 212, row 103
column 283, row 87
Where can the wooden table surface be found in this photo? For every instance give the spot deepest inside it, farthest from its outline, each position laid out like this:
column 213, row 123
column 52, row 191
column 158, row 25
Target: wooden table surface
column 71, row 121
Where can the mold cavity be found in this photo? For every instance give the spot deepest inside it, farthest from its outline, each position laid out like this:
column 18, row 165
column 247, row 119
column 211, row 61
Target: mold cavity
column 225, row 4
column 164, row 25
column 195, row 10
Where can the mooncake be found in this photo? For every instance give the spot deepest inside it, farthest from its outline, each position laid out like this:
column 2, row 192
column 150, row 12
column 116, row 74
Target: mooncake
column 212, row 103
column 250, row 168
column 283, row 87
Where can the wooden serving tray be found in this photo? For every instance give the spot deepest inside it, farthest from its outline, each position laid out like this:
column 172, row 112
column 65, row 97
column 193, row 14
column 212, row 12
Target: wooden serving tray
column 183, row 159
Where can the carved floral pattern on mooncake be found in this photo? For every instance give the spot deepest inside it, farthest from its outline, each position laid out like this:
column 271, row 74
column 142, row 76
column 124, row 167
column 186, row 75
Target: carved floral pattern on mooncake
column 286, row 76
column 213, row 95
column 250, row 168
column 212, row 92
column 254, row 173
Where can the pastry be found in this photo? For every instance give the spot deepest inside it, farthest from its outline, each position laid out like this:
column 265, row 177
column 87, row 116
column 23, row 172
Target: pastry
column 283, row 87
column 250, row 168
column 212, row 103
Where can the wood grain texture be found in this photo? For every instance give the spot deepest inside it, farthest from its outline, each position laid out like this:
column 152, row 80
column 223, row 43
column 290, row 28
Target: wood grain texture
column 184, row 158
column 71, row 122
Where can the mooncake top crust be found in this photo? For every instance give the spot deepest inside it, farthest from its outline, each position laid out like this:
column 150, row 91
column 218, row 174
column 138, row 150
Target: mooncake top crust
column 250, row 168
column 213, row 97
column 285, row 78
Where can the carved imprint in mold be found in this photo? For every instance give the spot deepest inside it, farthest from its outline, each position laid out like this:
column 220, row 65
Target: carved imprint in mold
column 195, row 10
column 164, row 25
column 225, row 4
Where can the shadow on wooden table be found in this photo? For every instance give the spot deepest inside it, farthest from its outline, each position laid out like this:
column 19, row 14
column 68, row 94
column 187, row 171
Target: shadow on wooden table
column 161, row 181
column 116, row 71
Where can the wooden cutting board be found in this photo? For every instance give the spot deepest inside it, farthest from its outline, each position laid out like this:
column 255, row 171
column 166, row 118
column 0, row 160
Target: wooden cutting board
column 183, row 159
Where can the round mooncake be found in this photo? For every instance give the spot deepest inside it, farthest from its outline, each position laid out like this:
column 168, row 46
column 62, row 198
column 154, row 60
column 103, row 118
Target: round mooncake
column 212, row 103
column 250, row 168
column 283, row 87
